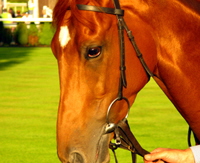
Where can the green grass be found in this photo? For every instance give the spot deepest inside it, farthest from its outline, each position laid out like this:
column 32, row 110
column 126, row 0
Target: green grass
column 29, row 95
column 29, row 92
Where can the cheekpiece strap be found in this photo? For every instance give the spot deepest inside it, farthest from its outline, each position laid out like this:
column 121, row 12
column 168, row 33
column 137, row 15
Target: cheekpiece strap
column 106, row 10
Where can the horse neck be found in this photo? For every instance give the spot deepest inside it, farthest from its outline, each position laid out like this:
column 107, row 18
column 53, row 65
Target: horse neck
column 172, row 24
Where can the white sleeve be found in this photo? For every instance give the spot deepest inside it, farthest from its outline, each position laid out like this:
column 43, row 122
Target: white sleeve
column 196, row 153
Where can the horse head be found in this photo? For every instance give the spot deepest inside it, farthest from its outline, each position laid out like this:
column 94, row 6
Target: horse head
column 86, row 45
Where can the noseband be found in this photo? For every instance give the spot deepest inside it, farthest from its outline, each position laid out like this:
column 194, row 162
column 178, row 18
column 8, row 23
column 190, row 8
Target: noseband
column 123, row 136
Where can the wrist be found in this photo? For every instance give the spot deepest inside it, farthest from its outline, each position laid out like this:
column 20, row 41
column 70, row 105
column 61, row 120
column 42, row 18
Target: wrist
column 189, row 156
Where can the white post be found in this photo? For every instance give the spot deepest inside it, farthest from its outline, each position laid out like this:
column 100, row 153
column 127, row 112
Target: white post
column 4, row 3
column 36, row 12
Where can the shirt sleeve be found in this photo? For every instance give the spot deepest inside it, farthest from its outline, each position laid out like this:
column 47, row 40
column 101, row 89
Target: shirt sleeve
column 196, row 153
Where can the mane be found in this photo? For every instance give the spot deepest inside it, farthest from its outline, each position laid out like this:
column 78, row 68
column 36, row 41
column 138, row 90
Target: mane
column 192, row 4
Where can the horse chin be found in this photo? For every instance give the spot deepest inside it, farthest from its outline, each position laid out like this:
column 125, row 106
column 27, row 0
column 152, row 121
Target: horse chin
column 102, row 155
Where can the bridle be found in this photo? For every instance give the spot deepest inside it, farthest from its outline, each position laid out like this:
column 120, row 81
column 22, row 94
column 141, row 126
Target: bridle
column 123, row 136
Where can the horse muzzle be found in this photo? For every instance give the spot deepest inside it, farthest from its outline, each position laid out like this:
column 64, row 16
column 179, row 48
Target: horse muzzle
column 87, row 152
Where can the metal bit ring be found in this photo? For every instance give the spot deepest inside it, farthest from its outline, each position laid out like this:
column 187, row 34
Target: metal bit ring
column 112, row 103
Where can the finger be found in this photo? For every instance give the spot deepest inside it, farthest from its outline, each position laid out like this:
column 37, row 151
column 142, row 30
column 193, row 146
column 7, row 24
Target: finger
column 155, row 156
column 159, row 161
column 155, row 161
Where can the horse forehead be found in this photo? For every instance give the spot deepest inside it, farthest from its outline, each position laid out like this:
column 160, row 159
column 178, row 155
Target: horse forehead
column 64, row 36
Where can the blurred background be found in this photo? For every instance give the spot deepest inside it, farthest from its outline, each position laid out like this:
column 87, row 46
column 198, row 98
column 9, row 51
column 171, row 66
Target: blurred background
column 26, row 22
column 35, row 7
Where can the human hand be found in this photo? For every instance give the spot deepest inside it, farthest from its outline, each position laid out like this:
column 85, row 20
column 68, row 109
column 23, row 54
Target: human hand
column 166, row 155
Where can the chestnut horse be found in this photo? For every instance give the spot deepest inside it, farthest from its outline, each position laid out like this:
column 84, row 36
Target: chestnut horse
column 86, row 45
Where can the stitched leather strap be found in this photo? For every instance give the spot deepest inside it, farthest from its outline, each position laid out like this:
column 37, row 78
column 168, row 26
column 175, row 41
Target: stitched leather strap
column 130, row 139
column 106, row 10
column 125, row 139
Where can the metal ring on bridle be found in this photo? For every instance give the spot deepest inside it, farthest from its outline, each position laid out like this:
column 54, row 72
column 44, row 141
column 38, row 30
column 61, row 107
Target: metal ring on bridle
column 112, row 103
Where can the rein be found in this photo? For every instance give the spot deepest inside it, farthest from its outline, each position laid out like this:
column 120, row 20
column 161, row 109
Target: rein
column 124, row 139
column 190, row 132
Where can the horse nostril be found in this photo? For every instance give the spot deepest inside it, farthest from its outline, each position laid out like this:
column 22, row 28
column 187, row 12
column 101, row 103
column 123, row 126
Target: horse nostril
column 76, row 158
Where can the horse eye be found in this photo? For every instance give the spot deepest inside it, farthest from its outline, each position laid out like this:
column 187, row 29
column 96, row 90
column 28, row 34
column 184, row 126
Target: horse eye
column 94, row 52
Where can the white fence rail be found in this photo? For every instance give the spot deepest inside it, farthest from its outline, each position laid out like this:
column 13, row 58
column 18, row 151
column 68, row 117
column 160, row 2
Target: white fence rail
column 27, row 19
column 13, row 21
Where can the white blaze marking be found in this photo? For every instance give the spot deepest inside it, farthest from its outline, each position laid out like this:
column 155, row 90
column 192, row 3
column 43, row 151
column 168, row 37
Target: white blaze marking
column 64, row 36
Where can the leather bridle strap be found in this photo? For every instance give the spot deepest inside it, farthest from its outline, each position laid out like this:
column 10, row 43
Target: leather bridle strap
column 131, row 38
column 130, row 138
column 106, row 10
column 197, row 141
column 126, row 140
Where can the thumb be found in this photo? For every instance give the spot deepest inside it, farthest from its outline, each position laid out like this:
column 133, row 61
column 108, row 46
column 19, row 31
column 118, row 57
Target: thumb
column 149, row 157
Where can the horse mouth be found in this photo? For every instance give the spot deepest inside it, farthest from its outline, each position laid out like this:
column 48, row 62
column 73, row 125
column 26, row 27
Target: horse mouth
column 75, row 157
column 102, row 155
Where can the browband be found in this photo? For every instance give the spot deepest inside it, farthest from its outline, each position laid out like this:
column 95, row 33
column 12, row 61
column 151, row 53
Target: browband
column 106, row 10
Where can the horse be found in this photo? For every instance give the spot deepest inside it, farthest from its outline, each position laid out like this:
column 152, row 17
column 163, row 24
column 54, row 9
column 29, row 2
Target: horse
column 101, row 74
